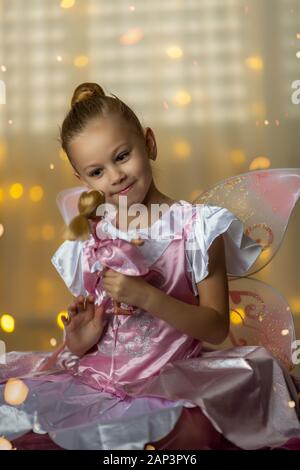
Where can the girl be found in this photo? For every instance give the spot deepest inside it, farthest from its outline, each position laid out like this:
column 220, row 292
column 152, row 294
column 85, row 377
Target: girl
column 140, row 380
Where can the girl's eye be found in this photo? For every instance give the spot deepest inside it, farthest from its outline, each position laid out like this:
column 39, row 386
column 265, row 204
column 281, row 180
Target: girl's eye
column 95, row 172
column 122, row 156
column 98, row 171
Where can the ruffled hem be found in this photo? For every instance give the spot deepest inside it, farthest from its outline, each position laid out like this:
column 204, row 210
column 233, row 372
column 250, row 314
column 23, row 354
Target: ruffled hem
column 78, row 417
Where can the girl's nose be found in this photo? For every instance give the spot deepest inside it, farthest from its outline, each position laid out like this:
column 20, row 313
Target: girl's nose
column 116, row 176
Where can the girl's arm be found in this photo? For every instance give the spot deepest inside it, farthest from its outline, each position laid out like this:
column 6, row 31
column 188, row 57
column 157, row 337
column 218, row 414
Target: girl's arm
column 208, row 321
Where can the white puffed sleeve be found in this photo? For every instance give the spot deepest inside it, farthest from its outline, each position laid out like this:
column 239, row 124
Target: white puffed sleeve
column 211, row 221
column 67, row 261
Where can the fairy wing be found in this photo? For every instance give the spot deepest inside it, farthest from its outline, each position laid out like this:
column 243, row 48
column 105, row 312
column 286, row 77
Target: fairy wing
column 67, row 201
column 263, row 200
column 260, row 316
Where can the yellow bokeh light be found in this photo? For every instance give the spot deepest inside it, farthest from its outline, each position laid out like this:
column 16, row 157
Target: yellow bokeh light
column 254, row 63
column 47, row 232
column 237, row 316
column 53, row 342
column 182, row 98
column 260, row 163
column 16, row 190
column 67, row 3
column 295, row 304
column 5, row 444
column 182, row 149
column 62, row 155
column 51, row 166
column 1, row 194
column 36, row 193
column 132, row 36
column 174, row 52
column 59, row 321
column 7, row 323
column 15, row 392
column 81, row 61
column 237, row 156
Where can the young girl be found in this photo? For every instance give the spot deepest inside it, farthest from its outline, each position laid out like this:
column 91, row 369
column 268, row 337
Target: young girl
column 144, row 380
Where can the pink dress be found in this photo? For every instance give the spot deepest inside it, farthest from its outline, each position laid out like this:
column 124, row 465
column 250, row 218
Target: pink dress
column 133, row 386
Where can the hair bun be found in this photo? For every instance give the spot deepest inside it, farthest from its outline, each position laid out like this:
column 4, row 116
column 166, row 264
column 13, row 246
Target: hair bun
column 84, row 91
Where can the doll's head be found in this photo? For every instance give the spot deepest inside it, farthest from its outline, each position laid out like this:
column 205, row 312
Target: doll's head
column 79, row 227
column 107, row 146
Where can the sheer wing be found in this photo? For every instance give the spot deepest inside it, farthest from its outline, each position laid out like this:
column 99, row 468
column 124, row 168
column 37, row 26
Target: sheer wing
column 263, row 200
column 260, row 316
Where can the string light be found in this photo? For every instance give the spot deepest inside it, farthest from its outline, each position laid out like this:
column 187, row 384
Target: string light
column 237, row 156
column 15, row 392
column 132, row 36
column 36, row 193
column 81, row 61
column 7, row 323
column 47, row 232
column 16, row 190
column 254, row 63
column 182, row 98
column 5, row 444
column 182, row 149
column 174, row 52
column 67, row 3
column 260, row 163
column 237, row 316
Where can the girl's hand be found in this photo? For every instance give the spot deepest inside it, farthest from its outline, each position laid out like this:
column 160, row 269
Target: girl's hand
column 85, row 325
column 127, row 289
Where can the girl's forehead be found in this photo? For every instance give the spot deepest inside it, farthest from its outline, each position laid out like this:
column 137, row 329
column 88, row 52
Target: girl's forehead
column 98, row 139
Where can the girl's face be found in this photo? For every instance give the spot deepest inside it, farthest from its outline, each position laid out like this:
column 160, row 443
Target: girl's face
column 111, row 158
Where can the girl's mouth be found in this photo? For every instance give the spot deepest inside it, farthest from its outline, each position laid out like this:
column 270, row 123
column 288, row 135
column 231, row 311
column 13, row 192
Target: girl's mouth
column 126, row 190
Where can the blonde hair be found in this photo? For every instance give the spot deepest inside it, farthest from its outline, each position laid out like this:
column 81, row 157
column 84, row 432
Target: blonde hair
column 79, row 227
column 88, row 102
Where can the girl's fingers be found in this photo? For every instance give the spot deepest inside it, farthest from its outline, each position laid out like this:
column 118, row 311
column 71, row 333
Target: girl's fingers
column 90, row 299
column 72, row 310
column 81, row 304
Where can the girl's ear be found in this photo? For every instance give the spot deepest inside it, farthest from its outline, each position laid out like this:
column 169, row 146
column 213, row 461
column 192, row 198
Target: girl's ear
column 150, row 143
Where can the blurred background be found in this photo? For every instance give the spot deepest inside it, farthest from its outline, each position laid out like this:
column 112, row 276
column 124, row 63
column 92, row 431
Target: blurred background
column 212, row 78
